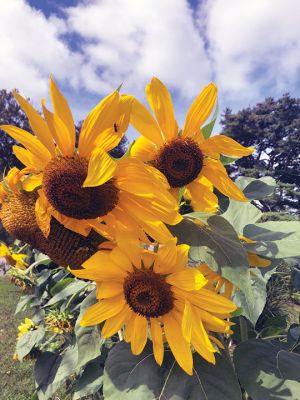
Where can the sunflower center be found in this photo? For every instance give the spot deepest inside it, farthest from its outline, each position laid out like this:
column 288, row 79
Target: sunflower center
column 148, row 294
column 62, row 182
column 180, row 161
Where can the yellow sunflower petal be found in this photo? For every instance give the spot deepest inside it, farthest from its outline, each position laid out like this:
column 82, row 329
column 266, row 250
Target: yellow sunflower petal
column 143, row 149
column 43, row 217
column 186, row 324
column 161, row 104
column 157, row 340
column 202, row 343
column 216, row 173
column 101, row 267
column 139, row 334
column 225, row 145
column 101, row 168
column 200, row 110
column 179, row 346
column 166, row 257
column 37, row 123
column 59, row 132
column 187, row 279
column 115, row 323
column 109, row 289
column 27, row 158
column 216, row 341
column 102, row 310
column 62, row 110
column 202, row 198
column 29, row 141
column 257, row 261
column 102, row 117
column 32, row 182
column 143, row 121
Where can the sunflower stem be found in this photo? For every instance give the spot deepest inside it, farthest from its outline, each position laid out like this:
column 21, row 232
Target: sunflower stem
column 243, row 328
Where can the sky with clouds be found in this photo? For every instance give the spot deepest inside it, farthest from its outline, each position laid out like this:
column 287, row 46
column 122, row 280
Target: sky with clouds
column 251, row 49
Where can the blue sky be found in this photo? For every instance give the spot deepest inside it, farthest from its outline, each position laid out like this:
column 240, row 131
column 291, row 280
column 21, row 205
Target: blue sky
column 250, row 49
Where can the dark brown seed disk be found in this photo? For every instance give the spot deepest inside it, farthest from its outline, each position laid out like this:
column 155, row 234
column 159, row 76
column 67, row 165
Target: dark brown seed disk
column 148, row 294
column 180, row 160
column 62, row 183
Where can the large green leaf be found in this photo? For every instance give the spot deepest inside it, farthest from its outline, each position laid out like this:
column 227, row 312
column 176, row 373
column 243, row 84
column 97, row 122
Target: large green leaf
column 130, row 377
column 88, row 338
column 27, row 341
column 217, row 244
column 275, row 239
column 24, row 302
column 69, row 290
column 91, row 380
column 240, row 214
column 52, row 370
column 256, row 189
column 267, row 370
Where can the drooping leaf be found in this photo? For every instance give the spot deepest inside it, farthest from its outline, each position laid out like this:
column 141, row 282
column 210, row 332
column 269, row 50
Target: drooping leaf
column 267, row 370
column 129, row 377
column 60, row 285
column 91, row 380
column 27, row 341
column 69, row 290
column 256, row 189
column 88, row 339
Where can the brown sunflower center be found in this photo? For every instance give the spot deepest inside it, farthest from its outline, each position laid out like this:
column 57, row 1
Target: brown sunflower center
column 148, row 294
column 62, row 182
column 180, row 161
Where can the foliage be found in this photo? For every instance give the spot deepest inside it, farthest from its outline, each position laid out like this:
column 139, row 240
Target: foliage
column 272, row 127
column 10, row 113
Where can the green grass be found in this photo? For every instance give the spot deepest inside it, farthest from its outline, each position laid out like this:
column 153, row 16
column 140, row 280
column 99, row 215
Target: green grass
column 16, row 379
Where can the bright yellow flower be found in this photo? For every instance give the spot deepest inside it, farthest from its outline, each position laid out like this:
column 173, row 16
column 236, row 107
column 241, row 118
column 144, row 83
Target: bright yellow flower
column 26, row 326
column 156, row 292
column 185, row 157
column 81, row 187
column 15, row 259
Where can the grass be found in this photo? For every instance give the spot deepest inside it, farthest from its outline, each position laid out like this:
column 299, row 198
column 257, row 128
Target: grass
column 16, row 379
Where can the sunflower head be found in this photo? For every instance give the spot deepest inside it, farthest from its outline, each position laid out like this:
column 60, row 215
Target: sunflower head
column 180, row 160
column 156, row 292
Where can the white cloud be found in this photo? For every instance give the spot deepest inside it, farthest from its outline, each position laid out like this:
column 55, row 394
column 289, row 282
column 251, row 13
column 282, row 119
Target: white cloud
column 254, row 46
column 31, row 48
column 132, row 40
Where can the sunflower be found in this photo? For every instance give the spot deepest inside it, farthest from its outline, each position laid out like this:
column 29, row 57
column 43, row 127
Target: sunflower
column 184, row 156
column 143, row 291
column 81, row 186
column 26, row 326
column 12, row 258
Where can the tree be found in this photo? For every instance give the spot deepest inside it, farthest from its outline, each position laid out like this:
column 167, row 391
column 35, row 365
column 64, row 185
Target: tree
column 273, row 128
column 12, row 114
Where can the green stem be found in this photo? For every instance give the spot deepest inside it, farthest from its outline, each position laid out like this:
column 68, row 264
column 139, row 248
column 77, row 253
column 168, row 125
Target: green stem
column 274, row 337
column 243, row 328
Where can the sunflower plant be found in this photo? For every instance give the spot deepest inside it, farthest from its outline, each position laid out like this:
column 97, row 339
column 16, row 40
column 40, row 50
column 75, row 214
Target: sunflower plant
column 133, row 297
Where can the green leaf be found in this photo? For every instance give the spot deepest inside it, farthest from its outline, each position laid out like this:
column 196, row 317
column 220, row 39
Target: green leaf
column 52, row 370
column 72, row 288
column 60, row 285
column 274, row 326
column 256, row 189
column 88, row 339
column 130, row 377
column 267, row 371
column 28, row 341
column 217, row 244
column 208, row 128
column 241, row 214
column 275, row 239
column 24, row 302
column 91, row 380
column 225, row 160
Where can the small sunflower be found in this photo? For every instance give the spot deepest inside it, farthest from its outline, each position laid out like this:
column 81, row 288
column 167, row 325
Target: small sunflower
column 26, row 326
column 12, row 258
column 184, row 156
column 143, row 291
column 81, row 186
